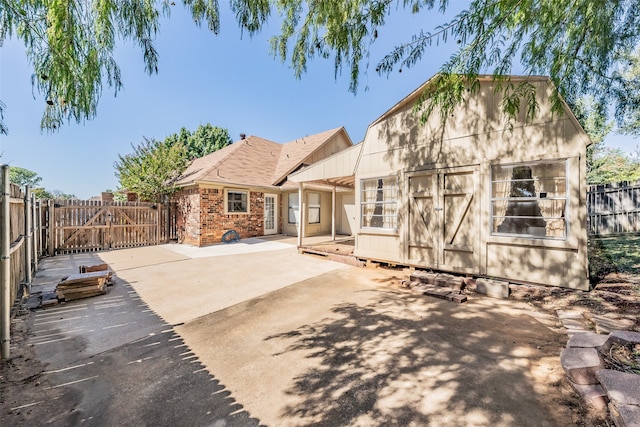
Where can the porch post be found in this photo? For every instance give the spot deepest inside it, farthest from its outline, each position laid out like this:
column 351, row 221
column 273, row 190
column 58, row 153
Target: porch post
column 300, row 215
column 333, row 213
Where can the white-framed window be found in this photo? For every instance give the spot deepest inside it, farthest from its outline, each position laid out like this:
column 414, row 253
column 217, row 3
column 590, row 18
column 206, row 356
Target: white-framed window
column 530, row 199
column 379, row 203
column 314, row 208
column 237, row 201
column 294, row 208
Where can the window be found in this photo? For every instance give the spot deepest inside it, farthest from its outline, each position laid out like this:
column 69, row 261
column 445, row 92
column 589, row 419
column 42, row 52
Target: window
column 237, row 202
column 530, row 199
column 379, row 203
column 314, row 208
column 294, row 211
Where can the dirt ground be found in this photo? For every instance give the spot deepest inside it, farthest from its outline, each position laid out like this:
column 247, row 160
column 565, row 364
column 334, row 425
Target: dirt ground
column 22, row 379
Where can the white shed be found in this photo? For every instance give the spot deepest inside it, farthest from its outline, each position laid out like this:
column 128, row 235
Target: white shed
column 472, row 195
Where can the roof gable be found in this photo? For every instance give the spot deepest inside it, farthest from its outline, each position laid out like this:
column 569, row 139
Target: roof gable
column 256, row 161
column 295, row 152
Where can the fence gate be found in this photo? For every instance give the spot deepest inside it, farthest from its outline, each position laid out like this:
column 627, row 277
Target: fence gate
column 84, row 226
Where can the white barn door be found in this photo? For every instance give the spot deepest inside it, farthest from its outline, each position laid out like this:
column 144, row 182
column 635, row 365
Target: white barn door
column 444, row 220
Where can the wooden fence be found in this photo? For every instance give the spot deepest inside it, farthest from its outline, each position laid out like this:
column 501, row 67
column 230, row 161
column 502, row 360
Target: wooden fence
column 614, row 208
column 73, row 226
column 18, row 250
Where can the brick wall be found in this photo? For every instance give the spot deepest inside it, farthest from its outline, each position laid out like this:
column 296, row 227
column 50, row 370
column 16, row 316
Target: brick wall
column 202, row 221
column 188, row 216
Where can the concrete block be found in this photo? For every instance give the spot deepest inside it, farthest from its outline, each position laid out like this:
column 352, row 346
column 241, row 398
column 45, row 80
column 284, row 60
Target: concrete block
column 581, row 364
column 625, row 415
column 587, row 340
column 570, row 314
column 593, row 394
column 574, row 326
column 606, row 324
column 439, row 292
column 455, row 283
column 622, row 387
column 493, row 288
column 423, row 276
column 621, row 337
column 441, row 280
column 458, row 298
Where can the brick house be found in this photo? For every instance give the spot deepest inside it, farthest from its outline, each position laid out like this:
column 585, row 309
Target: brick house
column 244, row 187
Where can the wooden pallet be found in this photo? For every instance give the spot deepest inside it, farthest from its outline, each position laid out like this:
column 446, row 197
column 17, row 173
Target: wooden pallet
column 83, row 285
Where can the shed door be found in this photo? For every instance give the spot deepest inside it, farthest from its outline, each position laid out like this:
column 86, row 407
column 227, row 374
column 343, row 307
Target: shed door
column 443, row 220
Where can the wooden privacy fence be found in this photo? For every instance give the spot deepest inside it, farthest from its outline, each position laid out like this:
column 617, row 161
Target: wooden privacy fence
column 74, row 226
column 614, row 208
column 18, row 249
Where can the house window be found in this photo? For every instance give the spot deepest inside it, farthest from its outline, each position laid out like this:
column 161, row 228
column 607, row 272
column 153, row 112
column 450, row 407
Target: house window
column 530, row 200
column 379, row 203
column 237, row 202
column 314, row 208
column 294, row 210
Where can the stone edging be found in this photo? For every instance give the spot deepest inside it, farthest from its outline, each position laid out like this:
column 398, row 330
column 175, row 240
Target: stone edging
column 600, row 388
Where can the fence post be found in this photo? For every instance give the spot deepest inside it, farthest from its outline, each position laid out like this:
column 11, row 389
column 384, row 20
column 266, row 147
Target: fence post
column 5, row 264
column 168, row 219
column 50, row 228
column 35, row 230
column 28, row 234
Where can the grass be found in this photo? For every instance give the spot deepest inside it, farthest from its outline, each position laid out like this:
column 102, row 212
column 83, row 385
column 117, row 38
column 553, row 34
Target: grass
column 617, row 254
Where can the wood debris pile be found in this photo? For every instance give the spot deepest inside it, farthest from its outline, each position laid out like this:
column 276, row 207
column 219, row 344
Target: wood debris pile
column 90, row 281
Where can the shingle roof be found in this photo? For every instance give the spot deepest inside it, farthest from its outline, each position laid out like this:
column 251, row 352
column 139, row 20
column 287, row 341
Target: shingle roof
column 294, row 152
column 254, row 161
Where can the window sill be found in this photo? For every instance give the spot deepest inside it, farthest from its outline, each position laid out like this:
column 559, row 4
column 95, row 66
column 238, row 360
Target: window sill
column 379, row 231
column 532, row 241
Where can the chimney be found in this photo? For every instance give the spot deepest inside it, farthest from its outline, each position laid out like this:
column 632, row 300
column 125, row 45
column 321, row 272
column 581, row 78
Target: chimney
column 243, row 135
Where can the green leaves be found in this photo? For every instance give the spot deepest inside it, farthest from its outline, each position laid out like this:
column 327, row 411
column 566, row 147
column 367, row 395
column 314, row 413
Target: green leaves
column 151, row 169
column 21, row 176
column 71, row 43
column 153, row 166
column 585, row 46
column 204, row 140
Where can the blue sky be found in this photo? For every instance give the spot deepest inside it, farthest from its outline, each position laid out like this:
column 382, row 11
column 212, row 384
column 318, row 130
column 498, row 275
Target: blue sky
column 225, row 80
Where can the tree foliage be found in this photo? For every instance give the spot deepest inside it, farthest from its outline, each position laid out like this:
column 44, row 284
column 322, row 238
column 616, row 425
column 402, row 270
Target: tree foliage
column 614, row 165
column 71, row 43
column 585, row 46
column 151, row 168
column 21, row 176
column 154, row 165
column 204, row 140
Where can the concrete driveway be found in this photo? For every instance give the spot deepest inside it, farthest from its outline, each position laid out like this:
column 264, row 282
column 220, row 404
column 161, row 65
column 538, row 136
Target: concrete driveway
column 181, row 283
column 289, row 339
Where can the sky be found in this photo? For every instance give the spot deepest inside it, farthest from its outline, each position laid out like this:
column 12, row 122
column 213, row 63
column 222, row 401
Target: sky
column 230, row 80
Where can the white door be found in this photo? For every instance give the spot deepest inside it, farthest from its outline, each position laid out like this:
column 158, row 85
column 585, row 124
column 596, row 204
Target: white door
column 348, row 216
column 270, row 214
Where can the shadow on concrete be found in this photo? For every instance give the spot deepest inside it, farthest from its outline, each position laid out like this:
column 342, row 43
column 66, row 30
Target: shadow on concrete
column 406, row 360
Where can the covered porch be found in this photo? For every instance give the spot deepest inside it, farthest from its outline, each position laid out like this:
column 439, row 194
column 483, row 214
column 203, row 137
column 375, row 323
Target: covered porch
column 334, row 175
